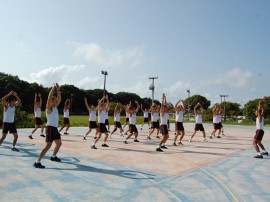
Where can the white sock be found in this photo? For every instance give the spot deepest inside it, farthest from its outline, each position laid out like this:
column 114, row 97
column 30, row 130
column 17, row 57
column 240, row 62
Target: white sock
column 259, row 154
column 37, row 161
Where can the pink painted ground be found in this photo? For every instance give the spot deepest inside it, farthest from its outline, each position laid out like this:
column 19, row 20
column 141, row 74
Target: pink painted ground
column 174, row 161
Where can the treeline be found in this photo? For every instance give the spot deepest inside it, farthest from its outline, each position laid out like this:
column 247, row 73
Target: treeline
column 26, row 92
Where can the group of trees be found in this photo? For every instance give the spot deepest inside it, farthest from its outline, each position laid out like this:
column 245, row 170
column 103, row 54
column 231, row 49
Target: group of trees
column 27, row 90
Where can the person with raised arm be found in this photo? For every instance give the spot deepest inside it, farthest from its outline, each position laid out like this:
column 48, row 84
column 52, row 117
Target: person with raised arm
column 66, row 117
column 154, row 109
column 145, row 117
column 10, row 102
column 92, row 119
column 257, row 141
column 216, row 122
column 163, row 124
column 52, row 133
column 37, row 119
column 198, row 112
column 117, row 123
column 102, row 113
column 132, row 111
column 179, row 115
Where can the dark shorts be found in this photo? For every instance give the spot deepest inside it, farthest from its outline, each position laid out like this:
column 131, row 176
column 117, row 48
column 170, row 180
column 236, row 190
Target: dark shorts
column 216, row 126
column 220, row 125
column 164, row 130
column 9, row 127
column 106, row 122
column 132, row 128
column 145, row 119
column 259, row 135
column 199, row 127
column 93, row 124
column 179, row 126
column 38, row 121
column 66, row 121
column 155, row 124
column 52, row 134
column 102, row 128
column 127, row 120
column 117, row 124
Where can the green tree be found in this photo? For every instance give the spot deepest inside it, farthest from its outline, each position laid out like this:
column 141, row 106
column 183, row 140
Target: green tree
column 193, row 100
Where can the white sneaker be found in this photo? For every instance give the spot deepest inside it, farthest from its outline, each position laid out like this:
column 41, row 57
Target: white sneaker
column 205, row 140
column 190, row 140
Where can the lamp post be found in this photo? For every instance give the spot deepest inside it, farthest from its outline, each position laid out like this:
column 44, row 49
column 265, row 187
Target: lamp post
column 224, row 96
column 152, row 87
column 188, row 91
column 105, row 73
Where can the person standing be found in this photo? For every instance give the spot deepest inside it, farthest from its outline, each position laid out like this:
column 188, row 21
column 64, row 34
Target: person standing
column 37, row 112
column 257, row 141
column 117, row 123
column 179, row 115
column 163, row 124
column 154, row 109
column 198, row 111
column 132, row 122
column 9, row 116
column 145, row 116
column 52, row 133
column 92, row 119
column 216, row 122
column 66, row 117
column 102, row 113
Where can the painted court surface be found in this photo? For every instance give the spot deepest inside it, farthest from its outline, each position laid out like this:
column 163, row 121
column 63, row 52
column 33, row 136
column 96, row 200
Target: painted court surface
column 218, row 170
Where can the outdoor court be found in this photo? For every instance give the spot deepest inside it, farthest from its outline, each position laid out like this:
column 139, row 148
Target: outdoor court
column 218, row 170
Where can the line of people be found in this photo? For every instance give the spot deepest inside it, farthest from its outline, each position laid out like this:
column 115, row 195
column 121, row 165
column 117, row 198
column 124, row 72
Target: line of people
column 100, row 112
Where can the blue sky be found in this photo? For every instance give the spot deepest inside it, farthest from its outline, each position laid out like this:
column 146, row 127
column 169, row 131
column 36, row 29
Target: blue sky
column 211, row 47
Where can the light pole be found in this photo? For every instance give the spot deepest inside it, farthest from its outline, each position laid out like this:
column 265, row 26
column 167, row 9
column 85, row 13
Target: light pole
column 224, row 96
column 152, row 87
column 188, row 91
column 105, row 73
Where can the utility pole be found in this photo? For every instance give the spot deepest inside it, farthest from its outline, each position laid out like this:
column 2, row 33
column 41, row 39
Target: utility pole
column 188, row 91
column 224, row 96
column 152, row 87
column 105, row 73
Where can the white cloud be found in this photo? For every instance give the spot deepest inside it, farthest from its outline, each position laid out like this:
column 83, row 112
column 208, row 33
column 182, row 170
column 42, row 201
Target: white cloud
column 93, row 52
column 236, row 79
column 63, row 74
column 85, row 82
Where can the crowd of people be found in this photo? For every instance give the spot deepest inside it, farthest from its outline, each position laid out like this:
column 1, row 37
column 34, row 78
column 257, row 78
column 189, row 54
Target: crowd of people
column 98, row 120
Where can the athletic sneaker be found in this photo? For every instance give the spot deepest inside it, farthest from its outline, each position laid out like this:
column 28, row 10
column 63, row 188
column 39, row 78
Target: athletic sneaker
column 190, row 140
column 265, row 153
column 149, row 138
column 42, row 135
column 258, row 157
column 84, row 138
column 105, row 145
column 136, row 140
column 93, row 147
column 218, row 136
column 159, row 150
column 163, row 147
column 210, row 137
column 30, row 137
column 95, row 137
column 141, row 128
column 110, row 136
column 38, row 165
column 55, row 159
column 15, row 149
column 157, row 137
column 66, row 133
column 180, row 143
column 223, row 134
column 174, row 144
column 205, row 140
column 125, row 142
